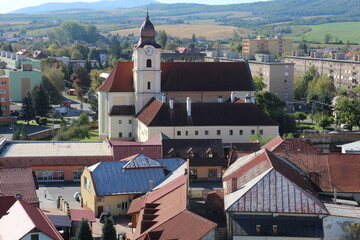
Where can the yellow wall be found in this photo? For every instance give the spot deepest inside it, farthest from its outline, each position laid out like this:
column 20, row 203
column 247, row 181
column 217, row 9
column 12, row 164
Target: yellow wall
column 203, row 172
column 88, row 197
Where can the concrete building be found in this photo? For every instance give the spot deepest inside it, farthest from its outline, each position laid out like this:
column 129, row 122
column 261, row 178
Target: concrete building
column 15, row 61
column 274, row 46
column 4, row 98
column 344, row 72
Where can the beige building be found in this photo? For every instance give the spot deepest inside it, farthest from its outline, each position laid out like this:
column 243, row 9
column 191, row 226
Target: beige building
column 345, row 73
column 274, row 46
column 135, row 89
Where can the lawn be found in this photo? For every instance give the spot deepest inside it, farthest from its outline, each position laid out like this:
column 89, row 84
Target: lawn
column 94, row 136
column 209, row 32
column 342, row 31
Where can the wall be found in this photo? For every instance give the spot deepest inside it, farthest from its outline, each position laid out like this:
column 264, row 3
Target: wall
column 88, row 197
column 125, row 127
column 334, row 227
column 42, row 236
column 5, row 95
column 68, row 170
column 15, row 77
column 209, row 236
column 111, row 202
column 203, row 172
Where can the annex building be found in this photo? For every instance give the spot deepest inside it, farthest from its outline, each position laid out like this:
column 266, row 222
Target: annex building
column 183, row 100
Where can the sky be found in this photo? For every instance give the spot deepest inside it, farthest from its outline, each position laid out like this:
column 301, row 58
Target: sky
column 12, row 5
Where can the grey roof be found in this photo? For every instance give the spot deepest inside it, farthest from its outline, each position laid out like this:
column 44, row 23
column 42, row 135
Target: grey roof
column 60, row 220
column 115, row 178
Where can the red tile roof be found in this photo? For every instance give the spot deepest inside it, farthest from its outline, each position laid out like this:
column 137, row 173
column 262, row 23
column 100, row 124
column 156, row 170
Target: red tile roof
column 158, row 113
column 186, row 76
column 120, row 79
column 26, row 218
column 78, row 214
column 11, row 184
column 278, row 145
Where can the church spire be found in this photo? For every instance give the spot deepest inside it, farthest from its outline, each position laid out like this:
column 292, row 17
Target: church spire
column 147, row 34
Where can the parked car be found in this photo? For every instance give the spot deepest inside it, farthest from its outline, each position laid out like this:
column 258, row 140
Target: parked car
column 104, row 216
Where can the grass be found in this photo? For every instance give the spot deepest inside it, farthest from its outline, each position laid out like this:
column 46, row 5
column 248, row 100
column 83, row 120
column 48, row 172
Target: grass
column 342, row 31
column 94, row 136
column 33, row 123
column 209, row 32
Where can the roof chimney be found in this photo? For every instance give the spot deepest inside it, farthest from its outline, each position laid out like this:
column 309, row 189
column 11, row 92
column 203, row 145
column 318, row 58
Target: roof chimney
column 151, row 184
column 247, row 99
column 163, row 97
column 232, row 96
column 219, row 99
column 188, row 106
column 171, row 103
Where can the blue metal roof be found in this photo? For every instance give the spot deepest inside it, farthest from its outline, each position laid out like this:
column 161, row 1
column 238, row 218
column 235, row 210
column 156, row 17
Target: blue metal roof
column 112, row 178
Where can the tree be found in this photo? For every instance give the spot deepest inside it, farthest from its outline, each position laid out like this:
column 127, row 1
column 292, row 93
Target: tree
column 108, row 230
column 259, row 83
column 171, row 46
column 94, row 106
column 53, row 83
column 78, row 130
column 27, row 112
column 347, row 110
column 16, row 134
column 83, row 231
column 115, row 48
column 193, row 38
column 40, row 101
column 81, row 80
column 302, row 82
column 258, row 138
column 162, row 38
column 94, row 55
column 235, row 36
column 327, row 38
column 24, row 134
column 323, row 120
column 300, row 116
column 353, row 231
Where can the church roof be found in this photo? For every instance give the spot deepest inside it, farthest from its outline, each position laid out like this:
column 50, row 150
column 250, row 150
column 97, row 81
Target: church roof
column 186, row 76
column 157, row 113
column 147, row 34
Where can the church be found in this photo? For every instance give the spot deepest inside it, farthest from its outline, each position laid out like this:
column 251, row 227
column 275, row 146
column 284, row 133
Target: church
column 183, row 100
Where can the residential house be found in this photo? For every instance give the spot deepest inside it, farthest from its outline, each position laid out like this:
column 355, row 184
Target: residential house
column 38, row 54
column 19, row 182
column 162, row 214
column 104, row 55
column 77, row 215
column 111, row 186
column 268, row 196
column 4, row 97
column 21, row 220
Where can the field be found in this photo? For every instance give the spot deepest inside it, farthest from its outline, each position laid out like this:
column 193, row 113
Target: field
column 209, row 32
column 342, row 31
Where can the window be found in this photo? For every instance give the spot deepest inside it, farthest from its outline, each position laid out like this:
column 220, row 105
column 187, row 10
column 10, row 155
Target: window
column 210, row 153
column 3, row 99
column 148, row 63
column 206, row 132
column 261, row 132
column 130, row 134
column 2, row 91
column 50, row 175
column 123, row 205
column 130, row 122
column 286, row 74
column 120, row 121
column 178, row 133
column 193, row 173
column 2, row 83
column 120, row 134
column 77, row 174
column 241, row 132
column 212, row 173
column 230, row 132
column 87, row 184
column 35, row 237
column 252, row 132
column 191, row 153
column 186, row 133
column 148, row 85
column 218, row 132
column 196, row 132
column 286, row 95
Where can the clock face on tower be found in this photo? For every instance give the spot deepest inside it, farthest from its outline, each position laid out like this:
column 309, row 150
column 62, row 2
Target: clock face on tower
column 149, row 51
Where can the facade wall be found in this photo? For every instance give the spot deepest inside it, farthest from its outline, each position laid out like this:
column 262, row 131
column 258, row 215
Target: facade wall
column 11, row 63
column 5, row 98
column 121, row 128
column 334, row 227
column 116, row 205
column 58, row 173
column 87, row 190
column 17, row 86
column 228, row 134
column 41, row 235
column 274, row 46
column 204, row 172
column 209, row 236
column 103, row 114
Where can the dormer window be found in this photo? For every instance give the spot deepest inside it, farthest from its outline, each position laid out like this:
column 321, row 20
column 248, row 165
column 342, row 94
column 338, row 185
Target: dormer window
column 191, row 153
column 172, row 152
column 210, row 153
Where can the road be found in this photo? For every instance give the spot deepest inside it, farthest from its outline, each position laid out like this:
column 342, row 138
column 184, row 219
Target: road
column 54, row 190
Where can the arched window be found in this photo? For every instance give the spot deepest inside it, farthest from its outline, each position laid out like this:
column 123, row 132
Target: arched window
column 149, row 85
column 148, row 63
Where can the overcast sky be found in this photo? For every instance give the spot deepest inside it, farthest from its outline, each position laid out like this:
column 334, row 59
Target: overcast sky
column 11, row 5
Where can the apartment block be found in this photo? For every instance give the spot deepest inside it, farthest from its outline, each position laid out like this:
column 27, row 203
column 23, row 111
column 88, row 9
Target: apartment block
column 16, row 61
column 273, row 46
column 344, row 72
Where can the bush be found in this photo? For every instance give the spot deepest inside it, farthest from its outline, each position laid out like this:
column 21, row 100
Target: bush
column 43, row 121
column 37, row 120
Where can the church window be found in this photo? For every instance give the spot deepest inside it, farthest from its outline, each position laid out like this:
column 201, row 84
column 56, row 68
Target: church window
column 148, row 85
column 120, row 134
column 130, row 122
column 120, row 121
column 206, row 132
column 129, row 134
column 230, row 132
column 178, row 133
column 196, row 132
column 148, row 63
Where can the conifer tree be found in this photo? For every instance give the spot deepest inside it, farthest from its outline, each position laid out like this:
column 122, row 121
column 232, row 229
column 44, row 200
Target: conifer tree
column 27, row 110
column 83, row 231
column 108, row 230
column 16, row 135
column 24, row 134
column 40, row 101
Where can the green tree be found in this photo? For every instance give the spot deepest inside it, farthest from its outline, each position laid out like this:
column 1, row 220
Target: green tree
column 258, row 138
column 300, row 116
column 27, row 112
column 115, row 48
column 302, row 82
column 171, row 46
column 81, row 80
column 347, row 110
column 78, row 130
column 94, row 106
column 53, row 83
column 193, row 38
column 80, row 52
column 323, row 120
column 24, row 134
column 94, row 55
column 235, row 37
column 40, row 101
column 83, row 231
column 16, row 135
column 162, row 38
column 327, row 38
column 352, row 231
column 108, row 230
column 259, row 83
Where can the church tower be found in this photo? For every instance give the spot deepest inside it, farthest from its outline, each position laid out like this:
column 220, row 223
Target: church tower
column 146, row 71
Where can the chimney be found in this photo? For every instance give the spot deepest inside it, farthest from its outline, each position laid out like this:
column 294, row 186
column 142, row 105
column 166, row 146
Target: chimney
column 163, row 97
column 219, row 99
column 151, row 184
column 232, row 97
column 335, row 195
column 171, row 103
column 247, row 99
column 188, row 106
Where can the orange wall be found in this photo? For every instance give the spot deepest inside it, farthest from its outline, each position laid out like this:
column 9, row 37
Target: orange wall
column 68, row 170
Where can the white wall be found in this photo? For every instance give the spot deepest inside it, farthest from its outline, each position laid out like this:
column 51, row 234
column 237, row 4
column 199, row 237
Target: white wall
column 42, row 236
column 334, row 227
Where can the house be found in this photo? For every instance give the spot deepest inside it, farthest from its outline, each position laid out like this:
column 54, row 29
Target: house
column 54, row 161
column 353, row 147
column 19, row 182
column 268, row 196
column 237, row 150
column 21, row 220
column 162, row 214
column 14, row 60
column 111, row 186
column 206, row 156
column 136, row 93
column 104, row 55
column 38, row 54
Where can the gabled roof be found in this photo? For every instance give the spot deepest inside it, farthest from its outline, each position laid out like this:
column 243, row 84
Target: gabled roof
column 78, row 214
column 268, row 183
column 134, row 175
column 25, row 218
column 237, row 150
column 11, row 184
column 279, row 144
column 122, row 110
column 200, row 148
column 158, row 113
column 120, row 79
column 186, row 76
column 350, row 147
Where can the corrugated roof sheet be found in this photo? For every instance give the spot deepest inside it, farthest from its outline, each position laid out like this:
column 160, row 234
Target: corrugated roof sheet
column 158, row 113
column 78, row 214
